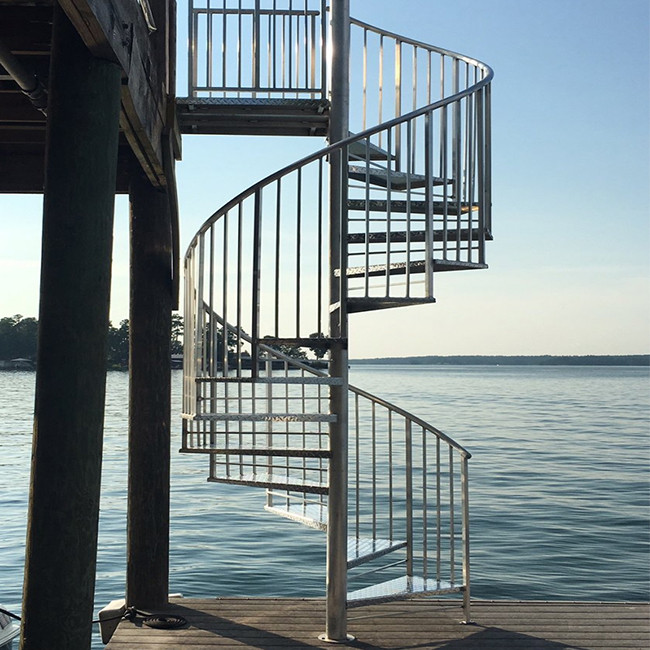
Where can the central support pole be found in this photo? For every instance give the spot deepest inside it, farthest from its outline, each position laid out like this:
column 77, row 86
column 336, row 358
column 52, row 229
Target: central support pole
column 336, row 623
column 81, row 163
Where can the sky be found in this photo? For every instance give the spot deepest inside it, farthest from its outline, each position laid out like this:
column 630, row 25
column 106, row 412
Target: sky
column 569, row 267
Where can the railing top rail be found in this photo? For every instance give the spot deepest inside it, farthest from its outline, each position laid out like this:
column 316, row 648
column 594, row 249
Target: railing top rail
column 432, row 48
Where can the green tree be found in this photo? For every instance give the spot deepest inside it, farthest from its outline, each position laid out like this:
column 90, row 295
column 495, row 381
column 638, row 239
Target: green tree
column 178, row 329
column 118, row 345
column 18, row 337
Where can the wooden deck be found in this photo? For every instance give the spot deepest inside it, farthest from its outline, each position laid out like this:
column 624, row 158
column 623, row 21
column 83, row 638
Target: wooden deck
column 267, row 623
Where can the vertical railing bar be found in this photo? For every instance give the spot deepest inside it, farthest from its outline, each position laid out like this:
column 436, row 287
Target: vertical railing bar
column 306, row 22
column 398, row 102
column 428, row 198
column 438, row 512
column 365, row 80
column 357, row 468
column 409, row 498
column 274, row 22
column 488, row 157
column 374, row 471
column 209, row 49
column 255, row 316
column 464, row 478
column 224, row 42
column 452, row 519
column 321, row 278
column 389, row 208
column 283, row 53
column 278, row 230
column 192, row 63
column 409, row 171
column 225, row 326
column 415, row 91
column 312, row 80
column 425, row 520
column 323, row 50
column 256, row 48
column 367, row 224
column 480, row 145
column 240, row 248
column 298, row 247
column 239, row 48
column 290, row 75
column 470, row 171
column 391, row 496
column 270, row 50
column 381, row 87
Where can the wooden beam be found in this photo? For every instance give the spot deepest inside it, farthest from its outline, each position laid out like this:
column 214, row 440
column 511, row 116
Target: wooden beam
column 58, row 597
column 117, row 30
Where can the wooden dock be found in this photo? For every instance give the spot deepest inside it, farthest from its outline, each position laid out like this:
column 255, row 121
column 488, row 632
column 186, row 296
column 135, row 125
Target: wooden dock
column 267, row 623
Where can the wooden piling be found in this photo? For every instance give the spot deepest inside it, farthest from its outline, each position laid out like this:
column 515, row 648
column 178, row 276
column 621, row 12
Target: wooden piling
column 81, row 160
column 149, row 397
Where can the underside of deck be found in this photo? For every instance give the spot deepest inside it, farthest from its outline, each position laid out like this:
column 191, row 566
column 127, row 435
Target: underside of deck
column 296, row 623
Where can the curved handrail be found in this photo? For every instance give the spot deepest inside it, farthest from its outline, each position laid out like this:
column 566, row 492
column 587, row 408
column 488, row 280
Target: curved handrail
column 326, row 151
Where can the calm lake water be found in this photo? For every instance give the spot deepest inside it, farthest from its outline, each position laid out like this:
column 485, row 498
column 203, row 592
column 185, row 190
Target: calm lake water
column 559, row 488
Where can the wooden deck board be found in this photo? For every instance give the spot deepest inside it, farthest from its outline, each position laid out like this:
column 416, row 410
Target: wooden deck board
column 268, row 623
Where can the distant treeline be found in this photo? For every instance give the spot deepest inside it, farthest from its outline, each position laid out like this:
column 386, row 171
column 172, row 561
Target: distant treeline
column 517, row 360
column 18, row 340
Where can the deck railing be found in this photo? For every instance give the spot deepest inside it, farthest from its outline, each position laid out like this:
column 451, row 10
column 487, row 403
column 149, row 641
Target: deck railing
column 257, row 49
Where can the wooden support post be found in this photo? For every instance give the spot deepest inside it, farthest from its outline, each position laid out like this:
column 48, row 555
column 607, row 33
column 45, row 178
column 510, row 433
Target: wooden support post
column 147, row 583
column 81, row 160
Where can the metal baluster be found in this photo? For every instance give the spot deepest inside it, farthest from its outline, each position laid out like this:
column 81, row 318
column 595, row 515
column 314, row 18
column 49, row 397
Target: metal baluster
column 398, row 102
column 464, row 479
column 428, row 198
column 298, row 247
column 391, row 532
column 374, row 472
column 278, row 248
column 438, row 512
column 452, row 519
column 256, row 48
column 409, row 499
column 224, row 50
column 425, row 521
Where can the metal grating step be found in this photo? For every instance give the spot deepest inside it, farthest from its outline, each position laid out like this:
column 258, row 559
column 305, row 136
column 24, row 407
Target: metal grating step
column 266, row 417
column 258, row 450
column 273, row 116
column 397, row 180
column 310, row 379
column 365, row 150
column 314, row 515
column 401, row 268
column 274, row 481
column 413, row 207
column 357, row 305
column 400, row 588
column 415, row 236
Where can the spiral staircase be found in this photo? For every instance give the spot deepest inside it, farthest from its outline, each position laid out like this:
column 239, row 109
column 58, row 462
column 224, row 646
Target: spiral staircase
column 272, row 276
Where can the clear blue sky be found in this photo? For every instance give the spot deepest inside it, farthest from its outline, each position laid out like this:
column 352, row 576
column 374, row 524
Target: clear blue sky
column 570, row 265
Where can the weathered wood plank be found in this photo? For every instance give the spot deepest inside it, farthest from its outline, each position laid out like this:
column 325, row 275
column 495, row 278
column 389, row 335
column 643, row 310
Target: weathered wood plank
column 295, row 623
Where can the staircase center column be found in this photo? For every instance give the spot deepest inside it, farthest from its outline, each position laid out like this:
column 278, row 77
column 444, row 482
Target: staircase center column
column 336, row 623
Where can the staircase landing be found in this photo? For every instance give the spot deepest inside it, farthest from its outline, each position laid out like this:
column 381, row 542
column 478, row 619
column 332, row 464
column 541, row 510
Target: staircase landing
column 229, row 623
column 252, row 116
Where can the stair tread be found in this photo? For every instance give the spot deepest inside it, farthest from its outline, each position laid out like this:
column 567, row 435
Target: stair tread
column 357, row 305
column 398, row 588
column 258, row 450
column 398, row 180
column 417, row 207
column 414, row 236
column 311, row 379
column 276, row 481
column 314, row 515
column 267, row 417
column 365, row 150
column 419, row 266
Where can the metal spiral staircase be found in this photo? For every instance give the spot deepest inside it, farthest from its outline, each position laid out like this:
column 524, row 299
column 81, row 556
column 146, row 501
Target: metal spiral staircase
column 271, row 277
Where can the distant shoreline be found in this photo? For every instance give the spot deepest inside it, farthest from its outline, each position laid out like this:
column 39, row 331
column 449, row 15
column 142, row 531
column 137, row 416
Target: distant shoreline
column 517, row 360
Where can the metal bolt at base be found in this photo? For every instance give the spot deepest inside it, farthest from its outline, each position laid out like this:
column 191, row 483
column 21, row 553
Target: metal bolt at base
column 326, row 639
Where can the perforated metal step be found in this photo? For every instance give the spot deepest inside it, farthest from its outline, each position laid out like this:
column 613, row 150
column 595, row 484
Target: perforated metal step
column 260, row 116
column 397, row 180
column 413, row 207
column 400, row 268
column 398, row 589
column 414, row 236
column 273, row 481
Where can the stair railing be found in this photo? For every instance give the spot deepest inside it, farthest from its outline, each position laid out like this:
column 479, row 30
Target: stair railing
column 257, row 49
column 409, row 481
